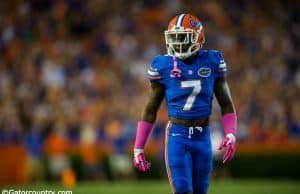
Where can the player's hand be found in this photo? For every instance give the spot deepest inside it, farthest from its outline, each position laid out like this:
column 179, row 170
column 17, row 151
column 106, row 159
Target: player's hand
column 229, row 144
column 139, row 161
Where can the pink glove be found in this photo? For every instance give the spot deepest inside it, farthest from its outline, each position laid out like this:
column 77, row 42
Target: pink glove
column 229, row 144
column 139, row 161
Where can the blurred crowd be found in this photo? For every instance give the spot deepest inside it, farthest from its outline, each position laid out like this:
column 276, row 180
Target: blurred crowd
column 72, row 72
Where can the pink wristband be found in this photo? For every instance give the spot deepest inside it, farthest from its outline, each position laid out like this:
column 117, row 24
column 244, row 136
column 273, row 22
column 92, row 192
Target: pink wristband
column 229, row 121
column 143, row 131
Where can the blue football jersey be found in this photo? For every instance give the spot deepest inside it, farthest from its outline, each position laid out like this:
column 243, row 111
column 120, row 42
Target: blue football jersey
column 190, row 95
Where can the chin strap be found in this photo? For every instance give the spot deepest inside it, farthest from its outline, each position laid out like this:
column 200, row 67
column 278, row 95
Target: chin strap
column 176, row 72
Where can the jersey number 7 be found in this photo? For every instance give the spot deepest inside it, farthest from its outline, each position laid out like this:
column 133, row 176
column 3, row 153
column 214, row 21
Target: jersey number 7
column 196, row 85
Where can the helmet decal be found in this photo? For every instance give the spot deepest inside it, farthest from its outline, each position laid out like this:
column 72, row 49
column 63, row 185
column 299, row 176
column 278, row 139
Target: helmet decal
column 195, row 23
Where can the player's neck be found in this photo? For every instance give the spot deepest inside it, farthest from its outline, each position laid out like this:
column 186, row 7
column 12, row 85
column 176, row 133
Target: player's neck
column 190, row 59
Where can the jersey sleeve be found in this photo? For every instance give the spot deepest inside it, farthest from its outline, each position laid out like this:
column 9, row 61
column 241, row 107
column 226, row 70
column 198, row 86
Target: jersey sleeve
column 154, row 73
column 221, row 67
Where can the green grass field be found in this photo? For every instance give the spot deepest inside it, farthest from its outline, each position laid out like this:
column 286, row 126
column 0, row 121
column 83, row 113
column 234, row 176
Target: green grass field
column 162, row 187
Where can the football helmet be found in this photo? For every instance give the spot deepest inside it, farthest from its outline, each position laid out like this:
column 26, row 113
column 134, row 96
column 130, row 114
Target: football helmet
column 184, row 36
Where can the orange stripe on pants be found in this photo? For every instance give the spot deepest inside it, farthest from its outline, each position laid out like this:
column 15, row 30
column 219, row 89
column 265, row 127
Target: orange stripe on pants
column 169, row 125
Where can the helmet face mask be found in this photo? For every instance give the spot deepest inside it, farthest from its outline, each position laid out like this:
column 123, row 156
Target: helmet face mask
column 185, row 39
column 182, row 44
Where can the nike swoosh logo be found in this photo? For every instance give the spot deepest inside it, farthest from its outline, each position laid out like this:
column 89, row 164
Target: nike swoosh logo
column 175, row 134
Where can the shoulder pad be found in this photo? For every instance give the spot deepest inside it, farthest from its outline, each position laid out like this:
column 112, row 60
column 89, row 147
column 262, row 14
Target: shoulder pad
column 157, row 65
column 217, row 59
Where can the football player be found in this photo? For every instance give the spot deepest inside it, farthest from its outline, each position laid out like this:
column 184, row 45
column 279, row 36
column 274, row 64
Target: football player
column 187, row 78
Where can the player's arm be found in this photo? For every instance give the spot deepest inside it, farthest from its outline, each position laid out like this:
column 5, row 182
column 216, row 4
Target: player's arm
column 229, row 117
column 156, row 96
column 223, row 95
column 145, row 126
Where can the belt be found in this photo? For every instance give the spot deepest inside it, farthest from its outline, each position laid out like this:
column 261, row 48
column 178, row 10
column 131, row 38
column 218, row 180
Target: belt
column 203, row 122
